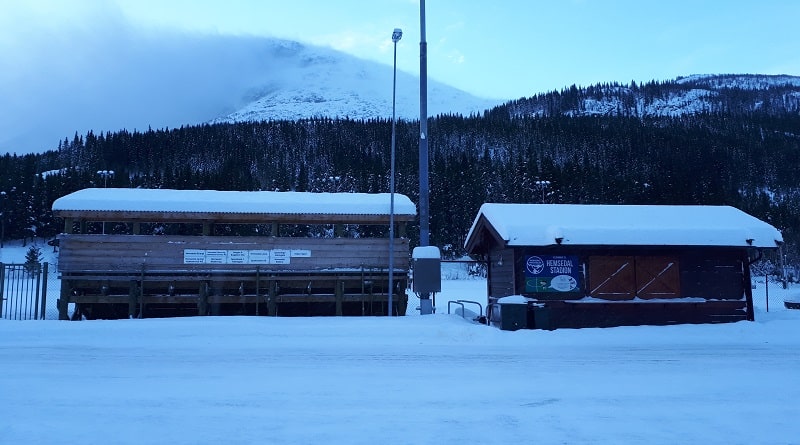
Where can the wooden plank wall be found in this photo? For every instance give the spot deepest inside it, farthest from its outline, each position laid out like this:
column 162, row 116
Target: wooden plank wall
column 128, row 254
column 501, row 273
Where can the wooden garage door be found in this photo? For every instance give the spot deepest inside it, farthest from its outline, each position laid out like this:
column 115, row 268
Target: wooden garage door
column 626, row 277
column 612, row 277
column 657, row 277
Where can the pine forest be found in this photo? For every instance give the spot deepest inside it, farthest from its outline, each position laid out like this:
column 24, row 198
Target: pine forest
column 546, row 148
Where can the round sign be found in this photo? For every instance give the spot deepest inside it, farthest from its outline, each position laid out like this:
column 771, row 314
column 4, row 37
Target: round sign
column 535, row 265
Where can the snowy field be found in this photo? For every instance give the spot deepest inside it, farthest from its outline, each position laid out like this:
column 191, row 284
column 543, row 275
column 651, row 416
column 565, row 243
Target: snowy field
column 437, row 379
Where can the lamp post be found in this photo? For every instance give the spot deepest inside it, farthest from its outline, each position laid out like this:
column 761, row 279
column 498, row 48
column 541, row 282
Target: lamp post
column 542, row 185
column 105, row 174
column 396, row 35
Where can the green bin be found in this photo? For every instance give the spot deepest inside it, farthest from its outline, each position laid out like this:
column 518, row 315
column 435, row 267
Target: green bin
column 513, row 316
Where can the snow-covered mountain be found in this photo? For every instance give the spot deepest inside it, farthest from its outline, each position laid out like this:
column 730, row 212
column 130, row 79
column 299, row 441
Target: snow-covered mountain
column 320, row 82
column 136, row 81
column 740, row 93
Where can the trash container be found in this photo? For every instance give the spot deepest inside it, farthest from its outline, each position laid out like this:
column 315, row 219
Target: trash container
column 513, row 313
column 541, row 317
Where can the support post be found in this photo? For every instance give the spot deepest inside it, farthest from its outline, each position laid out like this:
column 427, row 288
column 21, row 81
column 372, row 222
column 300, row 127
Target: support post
column 141, row 295
column 63, row 301
column 273, row 294
column 339, row 297
column 133, row 294
column 766, row 289
column 202, row 299
column 258, row 289
column 2, row 286
column 784, row 276
column 45, row 272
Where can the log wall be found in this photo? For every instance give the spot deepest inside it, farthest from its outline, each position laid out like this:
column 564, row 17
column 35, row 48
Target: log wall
column 116, row 276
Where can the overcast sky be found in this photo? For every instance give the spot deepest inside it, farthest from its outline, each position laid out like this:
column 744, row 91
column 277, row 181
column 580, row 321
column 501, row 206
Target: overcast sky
column 497, row 49
column 61, row 59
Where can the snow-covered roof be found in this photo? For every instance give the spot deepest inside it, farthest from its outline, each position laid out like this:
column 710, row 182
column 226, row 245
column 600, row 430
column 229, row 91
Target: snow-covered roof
column 214, row 201
column 649, row 225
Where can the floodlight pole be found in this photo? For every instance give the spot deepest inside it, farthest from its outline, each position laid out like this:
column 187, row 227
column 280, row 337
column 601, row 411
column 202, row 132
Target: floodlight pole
column 424, row 229
column 396, row 36
column 542, row 185
column 425, row 303
column 105, row 174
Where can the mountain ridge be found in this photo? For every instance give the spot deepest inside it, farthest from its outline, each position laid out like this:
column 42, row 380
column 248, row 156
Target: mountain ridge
column 699, row 93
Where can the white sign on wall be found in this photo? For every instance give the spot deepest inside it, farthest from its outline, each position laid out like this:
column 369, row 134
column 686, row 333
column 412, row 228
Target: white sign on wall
column 238, row 257
column 243, row 256
column 259, row 257
column 281, row 256
column 194, row 256
column 216, row 257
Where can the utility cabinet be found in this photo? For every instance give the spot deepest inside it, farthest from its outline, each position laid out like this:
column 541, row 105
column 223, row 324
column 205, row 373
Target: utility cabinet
column 427, row 268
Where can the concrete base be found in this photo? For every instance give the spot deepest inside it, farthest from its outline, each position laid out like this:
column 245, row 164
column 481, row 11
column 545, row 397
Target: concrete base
column 425, row 306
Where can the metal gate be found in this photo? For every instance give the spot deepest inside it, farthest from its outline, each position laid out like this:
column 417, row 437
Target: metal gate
column 23, row 291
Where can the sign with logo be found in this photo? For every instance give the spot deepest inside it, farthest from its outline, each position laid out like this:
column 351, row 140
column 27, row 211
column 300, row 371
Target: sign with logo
column 552, row 274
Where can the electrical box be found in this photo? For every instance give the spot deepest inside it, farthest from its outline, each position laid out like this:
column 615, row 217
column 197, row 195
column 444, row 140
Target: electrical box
column 426, row 265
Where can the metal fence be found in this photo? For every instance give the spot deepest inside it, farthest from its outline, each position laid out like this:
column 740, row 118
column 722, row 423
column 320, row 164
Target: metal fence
column 29, row 291
column 770, row 294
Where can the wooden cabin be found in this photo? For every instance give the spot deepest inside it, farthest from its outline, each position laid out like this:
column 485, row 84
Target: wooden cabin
column 153, row 252
column 612, row 265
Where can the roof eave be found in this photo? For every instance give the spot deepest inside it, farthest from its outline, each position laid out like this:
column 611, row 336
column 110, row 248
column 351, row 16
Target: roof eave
column 230, row 217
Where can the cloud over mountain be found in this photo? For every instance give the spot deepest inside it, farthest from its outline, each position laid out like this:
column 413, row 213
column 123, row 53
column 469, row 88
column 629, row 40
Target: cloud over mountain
column 111, row 76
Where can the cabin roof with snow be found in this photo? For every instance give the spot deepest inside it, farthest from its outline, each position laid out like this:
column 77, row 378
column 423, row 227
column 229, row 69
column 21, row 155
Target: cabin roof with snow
column 619, row 225
column 118, row 204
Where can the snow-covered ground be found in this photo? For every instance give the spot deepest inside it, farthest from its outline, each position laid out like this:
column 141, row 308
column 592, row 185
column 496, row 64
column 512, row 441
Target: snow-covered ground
column 438, row 379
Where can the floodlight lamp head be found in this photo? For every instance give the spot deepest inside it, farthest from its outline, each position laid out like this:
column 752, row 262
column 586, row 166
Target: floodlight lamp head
column 397, row 34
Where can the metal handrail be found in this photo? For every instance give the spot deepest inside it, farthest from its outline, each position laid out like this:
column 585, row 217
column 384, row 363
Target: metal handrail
column 480, row 307
column 458, row 303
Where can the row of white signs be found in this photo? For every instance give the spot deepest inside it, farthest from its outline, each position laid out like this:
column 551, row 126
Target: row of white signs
column 240, row 256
